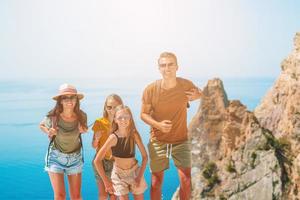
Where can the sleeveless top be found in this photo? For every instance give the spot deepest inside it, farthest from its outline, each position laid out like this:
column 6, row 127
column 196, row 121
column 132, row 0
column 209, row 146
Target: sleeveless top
column 121, row 149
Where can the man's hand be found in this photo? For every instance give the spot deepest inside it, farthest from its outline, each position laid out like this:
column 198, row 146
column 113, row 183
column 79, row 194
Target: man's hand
column 193, row 94
column 165, row 126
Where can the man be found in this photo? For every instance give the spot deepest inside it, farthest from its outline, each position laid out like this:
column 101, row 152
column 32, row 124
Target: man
column 164, row 108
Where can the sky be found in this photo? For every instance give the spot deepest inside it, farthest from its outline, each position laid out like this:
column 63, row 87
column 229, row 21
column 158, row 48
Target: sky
column 123, row 39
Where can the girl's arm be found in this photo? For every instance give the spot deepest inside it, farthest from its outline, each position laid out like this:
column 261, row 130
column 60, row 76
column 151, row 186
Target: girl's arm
column 143, row 151
column 110, row 142
column 96, row 137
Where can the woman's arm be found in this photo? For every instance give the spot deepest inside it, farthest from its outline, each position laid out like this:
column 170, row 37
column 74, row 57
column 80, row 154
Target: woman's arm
column 110, row 142
column 44, row 128
column 143, row 151
column 49, row 131
column 82, row 129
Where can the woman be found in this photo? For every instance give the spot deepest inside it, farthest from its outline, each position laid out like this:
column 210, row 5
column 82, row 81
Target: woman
column 126, row 175
column 64, row 125
column 102, row 129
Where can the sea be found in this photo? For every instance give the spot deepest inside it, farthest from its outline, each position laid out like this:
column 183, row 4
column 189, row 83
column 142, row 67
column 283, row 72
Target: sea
column 24, row 103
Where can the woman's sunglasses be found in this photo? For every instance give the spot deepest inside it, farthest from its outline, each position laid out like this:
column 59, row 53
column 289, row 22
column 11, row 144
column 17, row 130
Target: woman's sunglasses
column 65, row 98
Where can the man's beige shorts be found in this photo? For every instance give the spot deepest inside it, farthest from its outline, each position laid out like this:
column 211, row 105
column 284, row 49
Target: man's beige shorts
column 123, row 181
column 160, row 153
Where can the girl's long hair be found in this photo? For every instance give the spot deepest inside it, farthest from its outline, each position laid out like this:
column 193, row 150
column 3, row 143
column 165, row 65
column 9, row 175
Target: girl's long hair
column 115, row 97
column 131, row 129
column 58, row 108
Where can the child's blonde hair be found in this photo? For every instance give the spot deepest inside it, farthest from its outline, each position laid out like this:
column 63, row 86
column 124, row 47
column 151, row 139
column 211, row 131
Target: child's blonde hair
column 115, row 97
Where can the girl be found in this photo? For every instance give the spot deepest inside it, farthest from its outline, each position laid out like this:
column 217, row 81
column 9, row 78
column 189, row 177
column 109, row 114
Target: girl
column 102, row 128
column 126, row 175
column 64, row 125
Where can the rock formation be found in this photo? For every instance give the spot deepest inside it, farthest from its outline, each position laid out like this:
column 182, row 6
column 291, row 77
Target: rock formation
column 279, row 112
column 238, row 154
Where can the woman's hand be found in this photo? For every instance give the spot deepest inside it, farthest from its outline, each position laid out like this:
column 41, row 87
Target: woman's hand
column 82, row 130
column 52, row 132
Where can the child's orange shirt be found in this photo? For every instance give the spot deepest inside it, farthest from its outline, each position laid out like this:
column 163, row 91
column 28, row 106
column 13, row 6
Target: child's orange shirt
column 103, row 125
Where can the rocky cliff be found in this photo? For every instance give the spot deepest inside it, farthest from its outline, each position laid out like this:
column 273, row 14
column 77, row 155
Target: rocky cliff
column 238, row 154
column 279, row 111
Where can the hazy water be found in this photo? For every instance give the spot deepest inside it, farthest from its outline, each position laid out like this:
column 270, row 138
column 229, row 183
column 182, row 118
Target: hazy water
column 22, row 147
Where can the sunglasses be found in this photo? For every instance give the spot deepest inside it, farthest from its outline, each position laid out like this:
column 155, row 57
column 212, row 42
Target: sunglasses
column 110, row 107
column 72, row 98
column 167, row 65
column 124, row 117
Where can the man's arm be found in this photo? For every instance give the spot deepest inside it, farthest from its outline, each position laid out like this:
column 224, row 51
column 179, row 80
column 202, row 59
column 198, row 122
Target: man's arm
column 194, row 94
column 164, row 126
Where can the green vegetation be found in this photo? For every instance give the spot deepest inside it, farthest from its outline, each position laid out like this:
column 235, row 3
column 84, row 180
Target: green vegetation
column 282, row 148
column 210, row 174
column 253, row 158
column 222, row 197
column 230, row 167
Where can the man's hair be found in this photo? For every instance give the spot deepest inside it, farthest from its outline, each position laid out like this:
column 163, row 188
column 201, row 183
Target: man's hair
column 167, row 55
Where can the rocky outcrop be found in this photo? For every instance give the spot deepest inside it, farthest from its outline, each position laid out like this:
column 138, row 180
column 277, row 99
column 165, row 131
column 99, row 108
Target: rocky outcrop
column 238, row 154
column 279, row 111
column 206, row 127
column 232, row 154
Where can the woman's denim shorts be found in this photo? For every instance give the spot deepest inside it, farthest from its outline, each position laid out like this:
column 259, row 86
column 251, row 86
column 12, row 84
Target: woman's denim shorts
column 68, row 163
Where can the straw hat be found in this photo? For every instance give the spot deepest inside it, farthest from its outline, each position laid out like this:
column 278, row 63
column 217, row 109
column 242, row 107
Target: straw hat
column 67, row 89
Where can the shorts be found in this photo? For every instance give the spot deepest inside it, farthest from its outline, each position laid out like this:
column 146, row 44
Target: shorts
column 68, row 163
column 160, row 152
column 107, row 165
column 123, row 181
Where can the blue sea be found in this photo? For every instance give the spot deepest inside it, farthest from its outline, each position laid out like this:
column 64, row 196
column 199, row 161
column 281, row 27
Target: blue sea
column 23, row 103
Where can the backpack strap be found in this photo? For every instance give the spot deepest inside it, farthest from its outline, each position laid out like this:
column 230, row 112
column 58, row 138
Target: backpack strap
column 81, row 143
column 54, row 125
column 80, row 139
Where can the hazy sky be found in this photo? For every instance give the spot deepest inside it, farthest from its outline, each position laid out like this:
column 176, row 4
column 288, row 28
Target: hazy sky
column 97, row 38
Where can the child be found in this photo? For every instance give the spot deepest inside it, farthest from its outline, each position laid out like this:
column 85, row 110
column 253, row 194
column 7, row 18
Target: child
column 126, row 175
column 102, row 128
column 64, row 125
